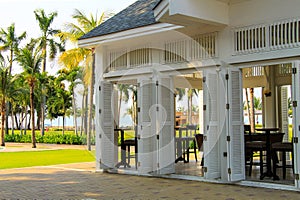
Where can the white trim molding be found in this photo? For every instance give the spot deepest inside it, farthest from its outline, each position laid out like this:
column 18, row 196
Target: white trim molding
column 132, row 33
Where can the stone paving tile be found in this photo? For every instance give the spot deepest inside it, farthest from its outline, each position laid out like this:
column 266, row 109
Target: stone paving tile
column 73, row 182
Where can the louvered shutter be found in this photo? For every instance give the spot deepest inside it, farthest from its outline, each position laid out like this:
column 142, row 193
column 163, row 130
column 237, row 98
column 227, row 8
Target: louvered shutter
column 211, row 128
column 284, row 112
column 98, row 126
column 235, row 144
column 107, row 147
column 165, row 125
column 296, row 119
column 147, row 154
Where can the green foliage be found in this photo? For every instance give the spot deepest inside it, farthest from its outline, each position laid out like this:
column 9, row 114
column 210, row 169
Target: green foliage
column 49, row 138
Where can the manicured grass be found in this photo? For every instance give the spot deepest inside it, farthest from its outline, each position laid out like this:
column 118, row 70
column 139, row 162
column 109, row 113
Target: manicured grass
column 44, row 158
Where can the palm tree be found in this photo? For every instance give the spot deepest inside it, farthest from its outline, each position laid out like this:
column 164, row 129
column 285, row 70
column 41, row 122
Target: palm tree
column 73, row 33
column 123, row 96
column 257, row 105
column 190, row 94
column 10, row 42
column 71, row 61
column 7, row 92
column 60, row 103
column 23, row 101
column 46, row 40
column 30, row 59
column 252, row 110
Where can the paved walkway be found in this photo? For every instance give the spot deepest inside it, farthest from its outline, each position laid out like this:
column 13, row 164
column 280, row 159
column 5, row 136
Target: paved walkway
column 79, row 181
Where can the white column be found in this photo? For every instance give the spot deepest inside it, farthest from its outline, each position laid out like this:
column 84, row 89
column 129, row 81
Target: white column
column 99, row 65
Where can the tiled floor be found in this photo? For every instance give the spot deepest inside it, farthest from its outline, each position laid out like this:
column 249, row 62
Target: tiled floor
column 77, row 181
column 194, row 168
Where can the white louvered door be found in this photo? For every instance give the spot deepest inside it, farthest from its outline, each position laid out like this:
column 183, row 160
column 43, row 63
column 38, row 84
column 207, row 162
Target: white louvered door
column 165, row 125
column 235, row 134
column 296, row 120
column 284, row 112
column 107, row 147
column 211, row 145
column 147, row 149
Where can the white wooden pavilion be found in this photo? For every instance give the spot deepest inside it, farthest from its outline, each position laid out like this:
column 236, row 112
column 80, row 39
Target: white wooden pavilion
column 218, row 46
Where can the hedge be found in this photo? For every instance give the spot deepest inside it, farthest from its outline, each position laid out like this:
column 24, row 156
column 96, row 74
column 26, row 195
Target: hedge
column 53, row 138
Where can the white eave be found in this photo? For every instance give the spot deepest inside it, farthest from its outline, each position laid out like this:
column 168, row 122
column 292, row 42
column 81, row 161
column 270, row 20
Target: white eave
column 161, row 9
column 128, row 34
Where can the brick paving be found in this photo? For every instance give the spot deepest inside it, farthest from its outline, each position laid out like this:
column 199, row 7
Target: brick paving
column 80, row 181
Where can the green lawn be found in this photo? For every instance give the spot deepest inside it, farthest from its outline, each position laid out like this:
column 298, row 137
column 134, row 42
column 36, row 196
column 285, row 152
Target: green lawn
column 44, row 158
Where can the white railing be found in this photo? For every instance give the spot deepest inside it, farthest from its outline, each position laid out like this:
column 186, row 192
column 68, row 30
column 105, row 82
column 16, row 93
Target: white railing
column 176, row 51
column 122, row 59
column 250, row 39
column 256, row 71
column 117, row 60
column 284, row 34
column 259, row 38
column 140, row 57
column 199, row 47
column 284, row 70
column 204, row 46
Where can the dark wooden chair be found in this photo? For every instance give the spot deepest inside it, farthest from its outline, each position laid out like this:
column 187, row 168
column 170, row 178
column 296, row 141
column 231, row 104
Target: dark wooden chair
column 257, row 143
column 283, row 148
column 191, row 131
column 199, row 141
column 131, row 143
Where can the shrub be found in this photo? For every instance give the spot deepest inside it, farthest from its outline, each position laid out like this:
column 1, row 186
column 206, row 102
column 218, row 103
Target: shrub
column 49, row 138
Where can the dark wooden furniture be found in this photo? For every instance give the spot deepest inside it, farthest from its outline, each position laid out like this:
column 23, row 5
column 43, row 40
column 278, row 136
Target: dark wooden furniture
column 199, row 141
column 258, row 143
column 183, row 145
column 283, row 148
column 123, row 149
column 268, row 131
column 191, row 132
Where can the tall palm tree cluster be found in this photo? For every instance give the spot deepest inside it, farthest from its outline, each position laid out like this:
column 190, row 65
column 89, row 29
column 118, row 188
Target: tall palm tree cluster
column 33, row 93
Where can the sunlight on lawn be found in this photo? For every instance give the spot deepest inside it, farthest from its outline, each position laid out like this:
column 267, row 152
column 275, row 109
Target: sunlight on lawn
column 44, row 158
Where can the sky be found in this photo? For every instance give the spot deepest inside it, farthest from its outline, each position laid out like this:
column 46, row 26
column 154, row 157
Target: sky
column 21, row 12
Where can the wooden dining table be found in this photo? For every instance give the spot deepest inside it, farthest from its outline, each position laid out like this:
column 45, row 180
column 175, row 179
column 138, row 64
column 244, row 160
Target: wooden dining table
column 268, row 131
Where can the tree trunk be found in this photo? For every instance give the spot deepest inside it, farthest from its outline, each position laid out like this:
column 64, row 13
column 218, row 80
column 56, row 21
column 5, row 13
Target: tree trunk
column 12, row 121
column 3, row 114
column 191, row 107
column 252, row 111
column 42, row 128
column 63, row 126
column 85, row 114
column 247, row 103
column 32, row 116
column 42, row 117
column 26, row 120
column 188, row 107
column 6, row 117
column 82, row 115
column 17, row 122
column 91, row 104
column 74, row 113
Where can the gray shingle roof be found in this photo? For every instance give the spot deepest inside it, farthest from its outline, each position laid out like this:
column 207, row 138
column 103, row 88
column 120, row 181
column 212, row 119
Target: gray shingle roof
column 138, row 14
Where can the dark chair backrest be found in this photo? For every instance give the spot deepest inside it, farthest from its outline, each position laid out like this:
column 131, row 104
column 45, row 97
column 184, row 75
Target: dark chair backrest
column 274, row 137
column 247, row 128
column 199, row 140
